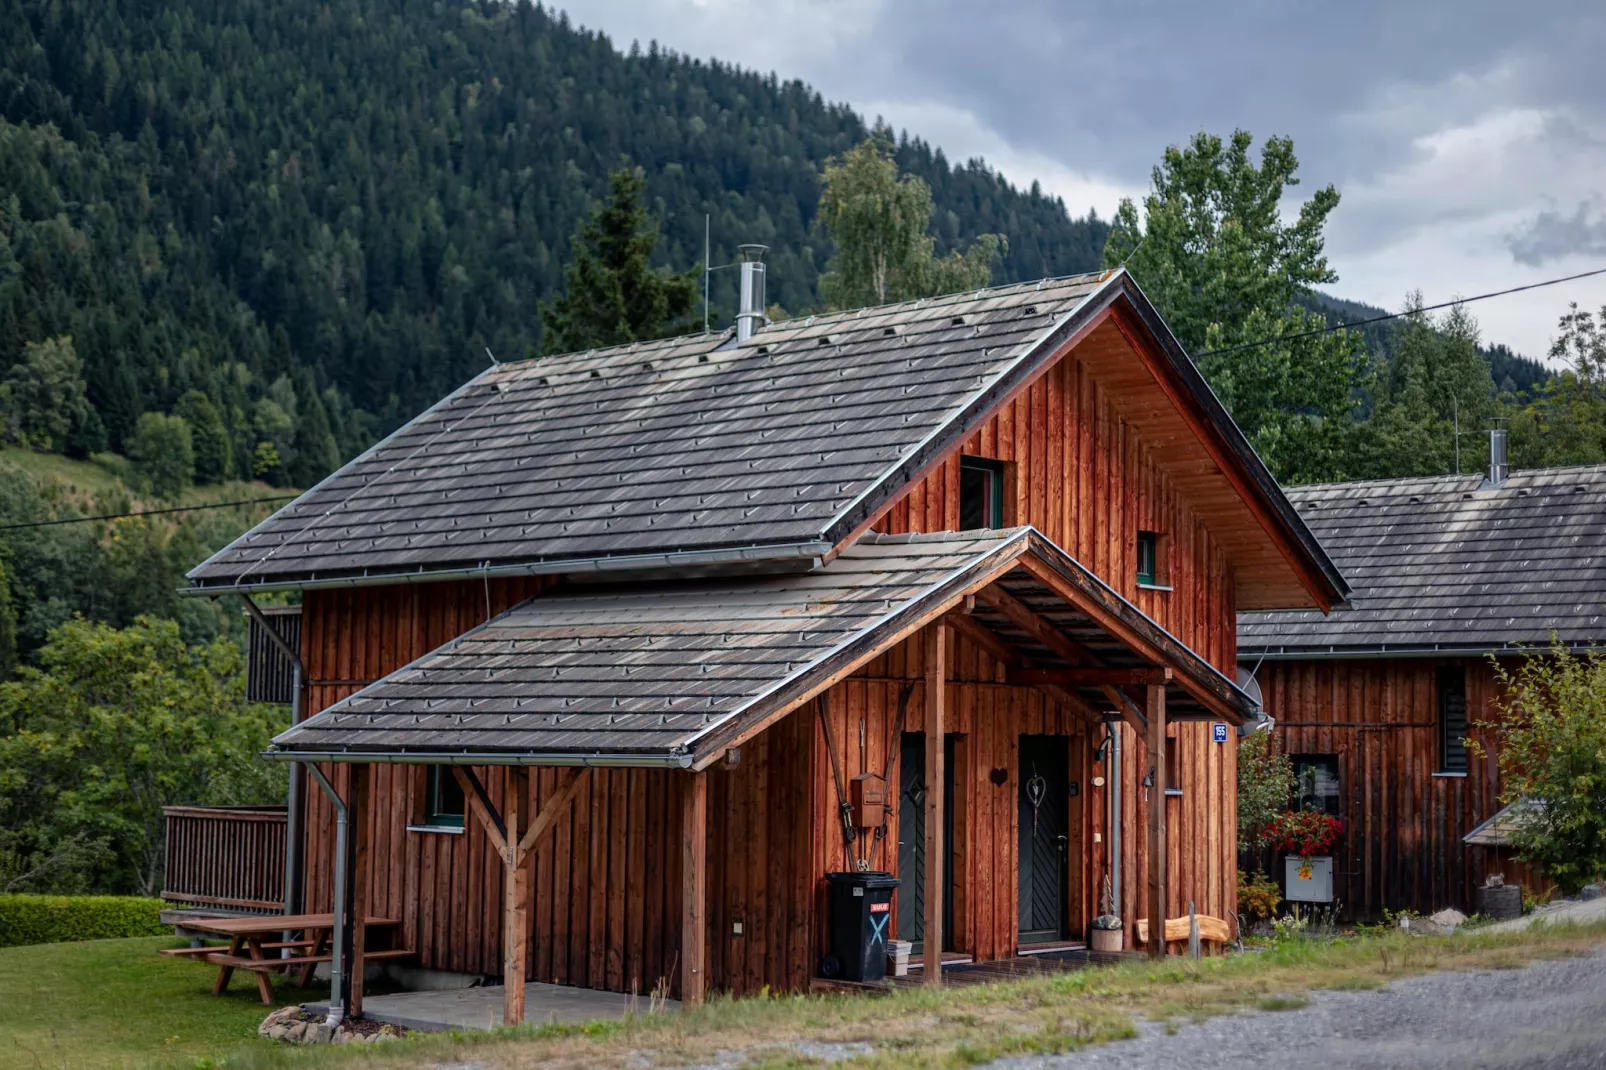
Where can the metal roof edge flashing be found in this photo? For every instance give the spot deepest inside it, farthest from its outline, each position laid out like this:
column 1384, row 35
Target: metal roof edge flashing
column 617, row 564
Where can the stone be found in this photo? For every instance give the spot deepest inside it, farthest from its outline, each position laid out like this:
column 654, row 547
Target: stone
column 1449, row 919
column 296, row 1032
column 1423, row 927
column 1590, row 891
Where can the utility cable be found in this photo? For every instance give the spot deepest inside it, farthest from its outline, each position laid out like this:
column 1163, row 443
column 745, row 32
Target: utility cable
column 145, row 512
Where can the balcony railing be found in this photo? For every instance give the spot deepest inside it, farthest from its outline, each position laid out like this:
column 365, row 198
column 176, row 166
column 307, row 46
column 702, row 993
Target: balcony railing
column 225, row 856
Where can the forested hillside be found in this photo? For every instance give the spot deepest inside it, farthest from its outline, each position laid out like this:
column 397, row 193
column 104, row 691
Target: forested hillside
column 321, row 215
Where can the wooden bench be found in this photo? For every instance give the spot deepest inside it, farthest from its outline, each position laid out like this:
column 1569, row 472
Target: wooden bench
column 1211, row 930
column 221, row 957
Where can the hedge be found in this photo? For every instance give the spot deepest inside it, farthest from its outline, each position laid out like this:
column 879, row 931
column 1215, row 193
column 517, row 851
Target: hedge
column 50, row 919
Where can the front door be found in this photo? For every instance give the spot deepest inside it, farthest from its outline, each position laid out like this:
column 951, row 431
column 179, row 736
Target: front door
column 912, row 840
column 1044, row 771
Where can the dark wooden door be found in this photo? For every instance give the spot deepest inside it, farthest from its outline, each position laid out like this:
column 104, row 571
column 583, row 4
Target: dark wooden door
column 1044, row 772
column 912, row 840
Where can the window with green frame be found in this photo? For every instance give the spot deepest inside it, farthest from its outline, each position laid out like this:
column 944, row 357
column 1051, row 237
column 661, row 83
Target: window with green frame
column 981, row 493
column 443, row 799
column 1149, row 557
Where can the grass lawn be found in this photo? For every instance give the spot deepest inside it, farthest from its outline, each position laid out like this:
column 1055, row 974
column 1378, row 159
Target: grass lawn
column 116, row 1003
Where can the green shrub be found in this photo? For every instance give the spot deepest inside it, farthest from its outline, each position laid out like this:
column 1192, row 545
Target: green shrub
column 50, row 919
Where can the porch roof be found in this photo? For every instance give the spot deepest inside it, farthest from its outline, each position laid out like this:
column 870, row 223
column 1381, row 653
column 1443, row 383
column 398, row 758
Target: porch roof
column 675, row 673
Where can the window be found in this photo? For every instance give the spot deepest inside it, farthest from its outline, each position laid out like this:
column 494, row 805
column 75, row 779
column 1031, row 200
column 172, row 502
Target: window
column 1452, row 719
column 1173, row 762
column 1151, row 559
column 443, row 799
column 1316, row 782
column 981, row 493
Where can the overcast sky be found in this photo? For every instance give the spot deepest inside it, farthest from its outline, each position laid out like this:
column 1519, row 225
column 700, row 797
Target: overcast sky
column 1467, row 138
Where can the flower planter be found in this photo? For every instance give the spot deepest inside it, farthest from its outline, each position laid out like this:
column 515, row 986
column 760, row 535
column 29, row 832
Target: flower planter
column 1106, row 939
column 1308, row 880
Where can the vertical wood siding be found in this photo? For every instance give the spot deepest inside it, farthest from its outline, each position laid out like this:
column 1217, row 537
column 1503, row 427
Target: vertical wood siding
column 1402, row 824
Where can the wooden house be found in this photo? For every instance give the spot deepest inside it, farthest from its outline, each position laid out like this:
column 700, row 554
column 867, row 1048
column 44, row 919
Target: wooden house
column 1375, row 701
column 599, row 651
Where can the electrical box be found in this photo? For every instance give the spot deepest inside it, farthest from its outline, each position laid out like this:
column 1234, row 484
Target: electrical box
column 868, row 794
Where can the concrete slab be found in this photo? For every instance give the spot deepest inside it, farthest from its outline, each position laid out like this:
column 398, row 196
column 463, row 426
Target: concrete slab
column 481, row 1008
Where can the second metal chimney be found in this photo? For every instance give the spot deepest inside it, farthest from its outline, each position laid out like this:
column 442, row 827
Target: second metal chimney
column 750, row 313
column 1498, row 467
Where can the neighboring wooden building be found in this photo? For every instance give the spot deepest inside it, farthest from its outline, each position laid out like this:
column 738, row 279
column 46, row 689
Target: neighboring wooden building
column 1375, row 700
column 662, row 604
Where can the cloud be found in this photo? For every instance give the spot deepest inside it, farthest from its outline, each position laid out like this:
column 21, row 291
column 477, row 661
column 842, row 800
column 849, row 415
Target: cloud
column 1551, row 236
column 1451, row 130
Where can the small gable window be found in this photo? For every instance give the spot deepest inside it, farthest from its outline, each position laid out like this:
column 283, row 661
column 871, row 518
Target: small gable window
column 1316, row 783
column 1452, row 719
column 443, row 799
column 1151, row 559
column 981, row 493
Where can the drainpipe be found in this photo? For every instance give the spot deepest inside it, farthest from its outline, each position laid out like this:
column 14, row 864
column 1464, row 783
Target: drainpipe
column 1115, row 817
column 338, row 985
column 294, row 838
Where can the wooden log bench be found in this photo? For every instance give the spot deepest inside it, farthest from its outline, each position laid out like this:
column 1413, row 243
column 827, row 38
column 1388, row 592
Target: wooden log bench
column 1177, row 930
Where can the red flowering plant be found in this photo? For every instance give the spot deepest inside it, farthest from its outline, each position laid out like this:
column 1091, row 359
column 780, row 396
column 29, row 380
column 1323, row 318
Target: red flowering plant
column 1305, row 832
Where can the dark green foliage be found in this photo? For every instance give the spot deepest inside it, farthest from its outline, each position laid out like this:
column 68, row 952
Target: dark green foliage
column 163, row 453
column 612, row 295
column 214, row 452
column 43, row 395
column 1212, row 250
column 212, row 196
column 55, row 919
column 110, row 726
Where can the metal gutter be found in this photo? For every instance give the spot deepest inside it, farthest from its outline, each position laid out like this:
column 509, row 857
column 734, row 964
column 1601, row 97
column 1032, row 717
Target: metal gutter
column 339, row 983
column 1435, row 650
column 578, row 566
column 590, row 760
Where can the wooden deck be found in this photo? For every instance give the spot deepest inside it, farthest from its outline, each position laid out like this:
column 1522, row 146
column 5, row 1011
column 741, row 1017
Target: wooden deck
column 963, row 972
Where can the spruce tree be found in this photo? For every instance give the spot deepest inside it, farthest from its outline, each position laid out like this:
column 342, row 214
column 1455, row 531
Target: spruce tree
column 612, row 294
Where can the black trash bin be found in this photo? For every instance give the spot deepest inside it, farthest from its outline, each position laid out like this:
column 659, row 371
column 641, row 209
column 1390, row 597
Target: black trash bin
column 861, row 922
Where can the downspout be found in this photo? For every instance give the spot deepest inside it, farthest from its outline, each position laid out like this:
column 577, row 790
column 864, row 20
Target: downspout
column 338, row 986
column 294, row 835
column 1115, row 818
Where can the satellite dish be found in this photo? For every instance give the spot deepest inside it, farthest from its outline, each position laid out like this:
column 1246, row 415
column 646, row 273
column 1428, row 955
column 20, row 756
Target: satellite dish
column 1251, row 687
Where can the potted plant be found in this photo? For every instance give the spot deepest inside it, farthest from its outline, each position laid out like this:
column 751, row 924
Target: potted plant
column 1307, row 836
column 1106, row 931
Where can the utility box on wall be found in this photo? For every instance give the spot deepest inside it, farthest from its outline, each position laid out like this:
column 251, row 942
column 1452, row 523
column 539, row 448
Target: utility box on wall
column 1308, row 880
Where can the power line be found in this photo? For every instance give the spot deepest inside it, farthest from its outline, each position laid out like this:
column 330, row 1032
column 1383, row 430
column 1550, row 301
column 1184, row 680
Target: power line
column 1394, row 315
column 146, row 512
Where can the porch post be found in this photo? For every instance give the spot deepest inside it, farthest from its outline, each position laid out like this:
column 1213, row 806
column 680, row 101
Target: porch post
column 1157, row 839
column 515, row 895
column 694, row 891
column 357, row 888
column 936, row 703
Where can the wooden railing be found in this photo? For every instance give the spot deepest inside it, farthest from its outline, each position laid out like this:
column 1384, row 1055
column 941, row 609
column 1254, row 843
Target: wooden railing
column 225, row 856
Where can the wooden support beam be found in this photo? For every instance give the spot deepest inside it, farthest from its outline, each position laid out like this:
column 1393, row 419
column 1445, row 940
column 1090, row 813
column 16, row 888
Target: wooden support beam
column 1012, row 660
column 1157, row 837
column 564, row 794
column 1029, row 621
column 936, row 724
column 359, row 880
column 1090, row 677
column 515, row 895
column 694, row 891
column 480, row 803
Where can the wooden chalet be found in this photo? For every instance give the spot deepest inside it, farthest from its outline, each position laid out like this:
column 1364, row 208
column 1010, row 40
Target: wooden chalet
column 1376, row 700
column 596, row 652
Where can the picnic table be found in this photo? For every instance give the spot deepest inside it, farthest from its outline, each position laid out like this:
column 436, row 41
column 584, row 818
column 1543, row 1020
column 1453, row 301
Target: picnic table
column 297, row 942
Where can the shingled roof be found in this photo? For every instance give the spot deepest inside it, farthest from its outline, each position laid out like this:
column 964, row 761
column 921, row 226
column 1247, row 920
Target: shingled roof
column 695, row 450
column 673, row 673
column 1451, row 564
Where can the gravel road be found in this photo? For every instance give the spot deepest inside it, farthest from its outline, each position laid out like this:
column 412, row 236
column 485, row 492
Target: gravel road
column 1549, row 1016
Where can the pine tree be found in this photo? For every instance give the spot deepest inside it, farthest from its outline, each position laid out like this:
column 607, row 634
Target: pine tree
column 214, row 454
column 612, row 293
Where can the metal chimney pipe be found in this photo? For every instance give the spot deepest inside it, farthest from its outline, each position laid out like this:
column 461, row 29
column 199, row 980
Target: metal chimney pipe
column 1498, row 466
column 750, row 312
